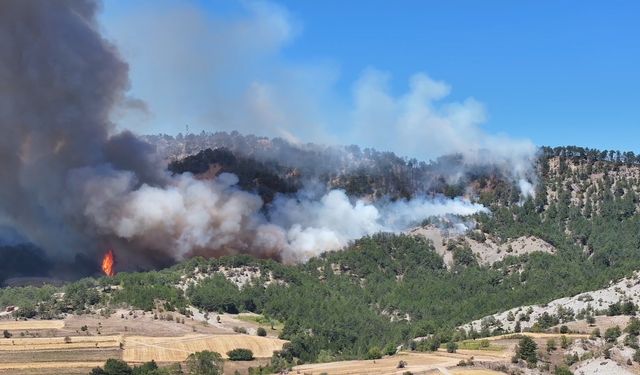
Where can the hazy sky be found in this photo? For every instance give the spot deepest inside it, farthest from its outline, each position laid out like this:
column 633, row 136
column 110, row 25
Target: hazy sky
column 552, row 72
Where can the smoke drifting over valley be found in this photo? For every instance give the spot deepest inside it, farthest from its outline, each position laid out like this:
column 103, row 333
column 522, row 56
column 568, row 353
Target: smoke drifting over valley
column 75, row 186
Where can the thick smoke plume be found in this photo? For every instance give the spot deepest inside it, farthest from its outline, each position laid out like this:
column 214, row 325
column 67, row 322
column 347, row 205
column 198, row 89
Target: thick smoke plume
column 72, row 185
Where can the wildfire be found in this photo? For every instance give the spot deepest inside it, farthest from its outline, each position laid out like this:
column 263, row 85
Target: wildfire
column 108, row 263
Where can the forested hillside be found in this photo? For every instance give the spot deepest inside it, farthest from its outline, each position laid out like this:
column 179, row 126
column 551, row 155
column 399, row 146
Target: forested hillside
column 360, row 172
column 387, row 289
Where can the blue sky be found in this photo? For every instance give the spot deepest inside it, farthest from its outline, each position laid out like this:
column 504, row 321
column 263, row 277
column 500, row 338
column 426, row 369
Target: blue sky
column 553, row 72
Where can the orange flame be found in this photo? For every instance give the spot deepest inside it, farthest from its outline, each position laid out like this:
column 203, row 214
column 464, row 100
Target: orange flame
column 108, row 263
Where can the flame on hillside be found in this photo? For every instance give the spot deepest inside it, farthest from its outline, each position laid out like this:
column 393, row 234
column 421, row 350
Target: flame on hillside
column 108, row 263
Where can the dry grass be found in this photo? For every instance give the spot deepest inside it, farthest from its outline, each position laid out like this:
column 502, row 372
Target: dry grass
column 45, row 343
column 62, row 355
column 48, row 365
column 416, row 363
column 537, row 336
column 24, row 325
column 175, row 349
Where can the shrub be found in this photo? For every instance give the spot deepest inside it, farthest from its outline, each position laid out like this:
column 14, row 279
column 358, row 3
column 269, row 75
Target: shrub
column 562, row 370
column 261, row 332
column 390, row 349
column 452, row 347
column 7, row 334
column 564, row 329
column 239, row 330
column 374, row 353
column 240, row 355
column 565, row 342
column 633, row 327
column 551, row 345
column 612, row 334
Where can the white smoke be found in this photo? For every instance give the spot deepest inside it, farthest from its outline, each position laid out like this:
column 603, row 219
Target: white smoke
column 213, row 217
column 421, row 123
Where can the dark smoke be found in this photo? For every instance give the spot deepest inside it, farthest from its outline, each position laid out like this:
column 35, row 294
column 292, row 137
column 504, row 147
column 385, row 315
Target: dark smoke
column 59, row 79
column 73, row 187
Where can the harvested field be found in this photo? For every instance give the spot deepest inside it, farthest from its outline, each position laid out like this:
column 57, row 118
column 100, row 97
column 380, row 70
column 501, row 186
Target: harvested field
column 175, row 349
column 24, row 325
column 137, row 324
column 45, row 343
column 49, row 365
column 437, row 362
column 62, row 355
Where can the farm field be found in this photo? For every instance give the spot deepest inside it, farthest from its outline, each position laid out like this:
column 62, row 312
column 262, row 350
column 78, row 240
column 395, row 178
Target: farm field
column 176, row 349
column 24, row 325
column 417, row 363
column 46, row 347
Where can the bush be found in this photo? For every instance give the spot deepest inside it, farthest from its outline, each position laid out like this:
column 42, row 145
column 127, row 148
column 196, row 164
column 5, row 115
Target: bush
column 562, row 370
column 390, row 349
column 551, row 345
column 452, row 347
column 7, row 334
column 240, row 355
column 612, row 334
column 565, row 342
column 564, row 329
column 239, row 330
column 633, row 327
column 261, row 332
column 374, row 353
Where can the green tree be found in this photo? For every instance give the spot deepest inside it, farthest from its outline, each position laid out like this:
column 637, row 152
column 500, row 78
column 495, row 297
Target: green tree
column 374, row 353
column 117, row 367
column 261, row 331
column 205, row 363
column 390, row 349
column 452, row 347
column 240, row 354
column 527, row 350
